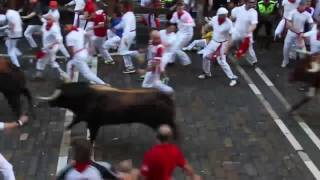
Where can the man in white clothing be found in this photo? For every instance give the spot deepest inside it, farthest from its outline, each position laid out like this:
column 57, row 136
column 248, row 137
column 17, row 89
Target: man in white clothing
column 14, row 32
column 75, row 41
column 168, row 39
column 296, row 23
column 246, row 20
column 314, row 37
column 288, row 6
column 185, row 32
column 51, row 39
column 54, row 12
column 128, row 24
column 78, row 19
column 156, row 65
column 217, row 48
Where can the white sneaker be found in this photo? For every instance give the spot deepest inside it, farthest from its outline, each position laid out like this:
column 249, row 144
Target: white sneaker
column 204, row 76
column 200, row 52
column 283, row 65
column 233, row 82
column 185, row 49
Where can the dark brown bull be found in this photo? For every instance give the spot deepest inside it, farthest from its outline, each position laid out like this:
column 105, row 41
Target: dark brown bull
column 99, row 105
column 301, row 73
column 13, row 85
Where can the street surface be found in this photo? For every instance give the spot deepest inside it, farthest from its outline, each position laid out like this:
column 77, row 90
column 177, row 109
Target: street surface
column 238, row 133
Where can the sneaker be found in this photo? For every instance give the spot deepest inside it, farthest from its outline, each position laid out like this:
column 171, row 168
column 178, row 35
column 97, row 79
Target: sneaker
column 141, row 78
column 129, row 70
column 200, row 52
column 204, row 76
column 185, row 49
column 254, row 65
column 111, row 62
column 283, row 65
column 233, row 82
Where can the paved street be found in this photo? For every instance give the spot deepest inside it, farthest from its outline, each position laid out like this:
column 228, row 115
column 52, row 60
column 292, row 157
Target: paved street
column 227, row 133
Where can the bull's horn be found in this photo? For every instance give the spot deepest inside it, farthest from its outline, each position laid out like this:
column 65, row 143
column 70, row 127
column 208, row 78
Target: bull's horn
column 54, row 95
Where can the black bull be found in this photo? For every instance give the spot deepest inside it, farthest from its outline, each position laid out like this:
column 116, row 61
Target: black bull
column 99, row 105
column 13, row 85
column 301, row 74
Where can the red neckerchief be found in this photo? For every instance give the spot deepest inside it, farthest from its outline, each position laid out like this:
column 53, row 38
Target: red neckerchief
column 291, row 1
column 80, row 167
column 221, row 20
column 74, row 28
column 49, row 25
column 300, row 11
column 180, row 14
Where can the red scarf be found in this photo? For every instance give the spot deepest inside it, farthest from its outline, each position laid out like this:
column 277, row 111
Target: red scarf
column 74, row 28
column 292, row 1
column 80, row 167
column 221, row 20
column 243, row 47
column 180, row 14
column 49, row 25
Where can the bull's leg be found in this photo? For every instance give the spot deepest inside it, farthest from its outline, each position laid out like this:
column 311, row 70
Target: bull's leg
column 299, row 104
column 93, row 133
column 15, row 103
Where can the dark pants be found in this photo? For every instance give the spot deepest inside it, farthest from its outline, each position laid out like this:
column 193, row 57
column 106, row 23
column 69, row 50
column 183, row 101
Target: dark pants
column 267, row 38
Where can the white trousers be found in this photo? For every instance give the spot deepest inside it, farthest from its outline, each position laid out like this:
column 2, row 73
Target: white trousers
column 152, row 80
column 29, row 32
column 206, row 62
column 6, row 169
column 13, row 51
column 289, row 41
column 125, row 44
column 202, row 43
column 63, row 50
column 49, row 58
column 251, row 55
column 182, row 40
column 113, row 42
column 79, row 62
column 78, row 20
column 98, row 43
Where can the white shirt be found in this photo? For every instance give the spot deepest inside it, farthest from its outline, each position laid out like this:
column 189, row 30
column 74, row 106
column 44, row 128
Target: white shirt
column 128, row 23
column 53, row 35
column 76, row 39
column 14, row 23
column 221, row 32
column 79, row 4
column 288, row 7
column 185, row 22
column 314, row 43
column 3, row 19
column 167, row 39
column 244, row 19
column 90, row 173
column 299, row 19
column 54, row 13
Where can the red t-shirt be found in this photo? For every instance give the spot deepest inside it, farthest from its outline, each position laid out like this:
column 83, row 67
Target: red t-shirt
column 160, row 161
column 102, row 31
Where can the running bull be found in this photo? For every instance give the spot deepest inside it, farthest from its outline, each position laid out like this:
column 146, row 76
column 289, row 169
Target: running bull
column 307, row 71
column 99, row 105
column 13, row 85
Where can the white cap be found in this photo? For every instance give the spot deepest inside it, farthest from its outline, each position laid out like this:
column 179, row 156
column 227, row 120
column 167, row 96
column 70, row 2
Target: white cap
column 222, row 11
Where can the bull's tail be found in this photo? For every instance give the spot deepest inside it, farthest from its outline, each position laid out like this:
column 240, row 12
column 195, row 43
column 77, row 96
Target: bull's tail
column 27, row 94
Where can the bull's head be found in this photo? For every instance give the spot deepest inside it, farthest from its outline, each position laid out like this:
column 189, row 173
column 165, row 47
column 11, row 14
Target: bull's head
column 73, row 96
